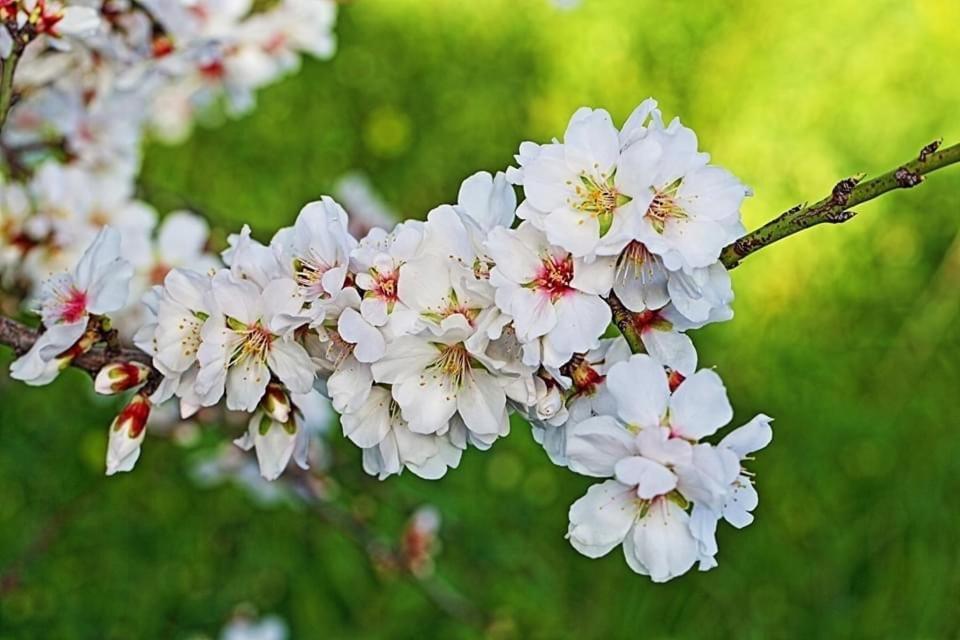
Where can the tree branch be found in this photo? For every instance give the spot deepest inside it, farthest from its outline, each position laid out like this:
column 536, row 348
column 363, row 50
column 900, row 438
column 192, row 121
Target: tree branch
column 7, row 68
column 20, row 338
column 836, row 207
column 624, row 319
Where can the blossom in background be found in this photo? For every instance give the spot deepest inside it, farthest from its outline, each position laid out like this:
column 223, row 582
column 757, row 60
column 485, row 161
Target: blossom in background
column 245, row 627
column 420, row 542
column 99, row 284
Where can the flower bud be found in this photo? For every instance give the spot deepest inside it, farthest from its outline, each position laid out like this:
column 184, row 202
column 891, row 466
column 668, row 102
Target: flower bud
column 420, row 542
column 120, row 376
column 549, row 403
column 276, row 403
column 126, row 435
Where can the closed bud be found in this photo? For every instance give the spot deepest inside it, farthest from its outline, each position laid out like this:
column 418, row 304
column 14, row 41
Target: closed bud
column 126, row 435
column 549, row 404
column 276, row 403
column 120, row 376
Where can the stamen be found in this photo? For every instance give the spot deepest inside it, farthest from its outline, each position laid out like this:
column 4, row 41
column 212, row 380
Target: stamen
column 554, row 276
column 664, row 207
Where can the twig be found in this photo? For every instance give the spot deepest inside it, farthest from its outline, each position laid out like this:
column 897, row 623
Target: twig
column 20, row 338
column 625, row 320
column 7, row 68
column 836, row 207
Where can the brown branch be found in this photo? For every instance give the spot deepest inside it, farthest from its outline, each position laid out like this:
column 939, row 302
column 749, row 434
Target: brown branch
column 20, row 338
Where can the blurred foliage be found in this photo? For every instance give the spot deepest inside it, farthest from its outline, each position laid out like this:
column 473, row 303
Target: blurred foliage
column 848, row 336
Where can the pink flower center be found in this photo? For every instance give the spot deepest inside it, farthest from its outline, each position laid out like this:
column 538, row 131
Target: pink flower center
column 73, row 305
column 554, row 277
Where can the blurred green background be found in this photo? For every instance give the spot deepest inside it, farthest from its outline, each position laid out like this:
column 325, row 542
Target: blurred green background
column 848, row 336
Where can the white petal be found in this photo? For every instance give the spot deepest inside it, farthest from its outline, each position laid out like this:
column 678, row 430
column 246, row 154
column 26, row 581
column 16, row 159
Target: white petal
column 601, row 519
column 591, row 142
column 369, row 425
column 182, row 237
column 595, row 445
column 489, row 200
column 481, row 403
column 246, row 382
column 404, row 357
column 427, row 401
column 661, row 544
column 650, row 478
column 671, row 348
column 594, row 277
column 370, row 345
column 292, row 364
column 641, row 390
column 581, row 320
column 700, row 406
column 753, row 436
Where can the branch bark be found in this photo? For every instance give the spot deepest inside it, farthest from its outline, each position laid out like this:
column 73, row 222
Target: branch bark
column 20, row 338
column 837, row 207
column 7, row 68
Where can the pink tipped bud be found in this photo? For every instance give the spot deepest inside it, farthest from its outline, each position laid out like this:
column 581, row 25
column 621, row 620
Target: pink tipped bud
column 126, row 435
column 120, row 376
column 420, row 542
column 276, row 403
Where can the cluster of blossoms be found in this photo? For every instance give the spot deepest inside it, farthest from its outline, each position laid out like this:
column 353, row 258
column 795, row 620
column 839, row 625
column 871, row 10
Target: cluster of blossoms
column 425, row 337
column 94, row 78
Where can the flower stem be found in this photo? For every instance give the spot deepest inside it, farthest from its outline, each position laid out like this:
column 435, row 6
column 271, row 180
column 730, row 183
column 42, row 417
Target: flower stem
column 623, row 318
column 7, row 69
column 835, row 208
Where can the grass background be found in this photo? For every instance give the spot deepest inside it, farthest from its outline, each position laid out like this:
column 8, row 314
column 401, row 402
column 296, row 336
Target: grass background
column 847, row 336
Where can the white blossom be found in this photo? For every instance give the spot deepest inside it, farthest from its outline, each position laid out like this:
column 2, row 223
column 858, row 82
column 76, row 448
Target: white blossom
column 99, row 284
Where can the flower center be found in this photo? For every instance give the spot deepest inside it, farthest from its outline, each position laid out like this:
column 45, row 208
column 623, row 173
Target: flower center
column 255, row 341
column 554, row 276
column 308, row 273
column 449, row 306
column 453, row 362
column 385, row 285
column 68, row 304
column 636, row 261
column 599, row 198
column 664, row 207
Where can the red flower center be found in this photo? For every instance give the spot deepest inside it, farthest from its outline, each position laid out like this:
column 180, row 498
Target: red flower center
column 73, row 306
column 554, row 276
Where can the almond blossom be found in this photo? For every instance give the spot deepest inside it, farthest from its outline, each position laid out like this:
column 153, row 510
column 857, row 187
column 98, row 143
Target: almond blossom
column 659, row 469
column 99, row 284
column 239, row 351
column 551, row 296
